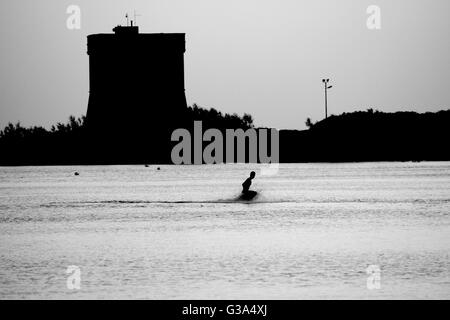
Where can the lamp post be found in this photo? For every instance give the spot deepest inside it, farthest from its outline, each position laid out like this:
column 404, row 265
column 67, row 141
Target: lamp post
column 325, row 82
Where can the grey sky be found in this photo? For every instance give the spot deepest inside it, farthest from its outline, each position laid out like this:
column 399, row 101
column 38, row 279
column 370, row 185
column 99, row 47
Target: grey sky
column 263, row 57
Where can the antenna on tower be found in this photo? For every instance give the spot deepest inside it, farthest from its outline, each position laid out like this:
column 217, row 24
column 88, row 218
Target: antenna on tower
column 136, row 15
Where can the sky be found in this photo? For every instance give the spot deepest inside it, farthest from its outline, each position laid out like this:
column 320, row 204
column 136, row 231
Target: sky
column 266, row 58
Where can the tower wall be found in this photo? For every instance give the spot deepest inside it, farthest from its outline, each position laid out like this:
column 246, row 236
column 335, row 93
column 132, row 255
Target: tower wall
column 136, row 88
column 135, row 78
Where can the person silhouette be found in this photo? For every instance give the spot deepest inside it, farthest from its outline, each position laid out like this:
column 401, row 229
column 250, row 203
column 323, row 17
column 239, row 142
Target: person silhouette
column 246, row 192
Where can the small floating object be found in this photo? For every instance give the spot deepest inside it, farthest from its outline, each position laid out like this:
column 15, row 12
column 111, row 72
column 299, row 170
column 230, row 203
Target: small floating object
column 76, row 173
column 158, row 168
column 146, row 165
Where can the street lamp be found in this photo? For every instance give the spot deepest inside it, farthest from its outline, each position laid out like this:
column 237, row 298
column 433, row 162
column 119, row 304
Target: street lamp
column 325, row 82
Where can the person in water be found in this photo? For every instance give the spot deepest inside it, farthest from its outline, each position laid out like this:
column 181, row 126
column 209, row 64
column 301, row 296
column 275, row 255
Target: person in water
column 246, row 192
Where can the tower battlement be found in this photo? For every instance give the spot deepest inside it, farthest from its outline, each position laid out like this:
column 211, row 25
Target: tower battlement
column 120, row 30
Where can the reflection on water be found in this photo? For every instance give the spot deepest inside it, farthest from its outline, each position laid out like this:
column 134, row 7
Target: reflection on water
column 137, row 232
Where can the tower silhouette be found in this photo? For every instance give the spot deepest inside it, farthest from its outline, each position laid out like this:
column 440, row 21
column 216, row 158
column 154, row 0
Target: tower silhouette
column 136, row 91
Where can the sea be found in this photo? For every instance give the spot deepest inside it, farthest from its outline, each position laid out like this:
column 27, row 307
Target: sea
column 315, row 231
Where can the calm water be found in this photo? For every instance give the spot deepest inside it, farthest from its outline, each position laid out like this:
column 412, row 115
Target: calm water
column 136, row 232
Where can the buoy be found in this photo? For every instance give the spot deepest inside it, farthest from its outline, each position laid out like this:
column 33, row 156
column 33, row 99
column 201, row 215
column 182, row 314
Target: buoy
column 76, row 173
